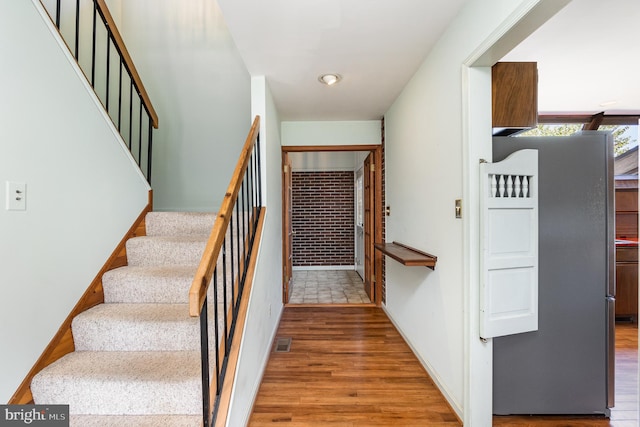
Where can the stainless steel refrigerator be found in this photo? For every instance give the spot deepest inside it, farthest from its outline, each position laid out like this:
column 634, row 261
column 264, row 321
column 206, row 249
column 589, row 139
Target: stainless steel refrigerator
column 567, row 366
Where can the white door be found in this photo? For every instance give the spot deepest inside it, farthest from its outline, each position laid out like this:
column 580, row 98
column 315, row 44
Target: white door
column 509, row 245
column 359, row 223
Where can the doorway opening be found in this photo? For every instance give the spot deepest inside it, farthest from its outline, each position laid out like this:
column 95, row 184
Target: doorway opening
column 332, row 215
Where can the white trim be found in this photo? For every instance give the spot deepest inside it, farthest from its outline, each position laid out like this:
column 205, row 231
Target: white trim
column 83, row 79
column 478, row 363
column 527, row 18
column 476, row 144
column 324, row 267
column 446, row 393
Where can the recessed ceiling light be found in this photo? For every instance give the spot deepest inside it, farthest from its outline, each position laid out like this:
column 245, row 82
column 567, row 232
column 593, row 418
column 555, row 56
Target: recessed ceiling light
column 329, row 79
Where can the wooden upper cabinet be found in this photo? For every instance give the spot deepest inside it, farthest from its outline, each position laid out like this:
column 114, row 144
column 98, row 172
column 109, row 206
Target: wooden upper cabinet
column 627, row 200
column 514, row 91
column 626, row 207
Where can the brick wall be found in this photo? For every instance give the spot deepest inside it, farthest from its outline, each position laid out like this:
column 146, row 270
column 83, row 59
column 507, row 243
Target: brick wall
column 323, row 218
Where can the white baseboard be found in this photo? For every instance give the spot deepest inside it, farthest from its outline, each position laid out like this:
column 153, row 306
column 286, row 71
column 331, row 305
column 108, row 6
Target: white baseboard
column 265, row 361
column 455, row 405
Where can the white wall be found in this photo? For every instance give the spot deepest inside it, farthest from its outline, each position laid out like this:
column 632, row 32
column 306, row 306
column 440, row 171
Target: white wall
column 200, row 88
column 362, row 132
column 265, row 305
column 83, row 191
column 424, row 166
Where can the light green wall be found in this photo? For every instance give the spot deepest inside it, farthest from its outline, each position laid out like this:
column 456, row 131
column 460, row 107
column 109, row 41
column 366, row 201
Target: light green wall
column 265, row 304
column 355, row 132
column 200, row 88
column 83, row 190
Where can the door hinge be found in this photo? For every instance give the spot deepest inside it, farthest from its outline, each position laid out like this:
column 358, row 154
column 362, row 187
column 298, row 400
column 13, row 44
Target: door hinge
column 373, row 167
column 286, row 168
column 373, row 279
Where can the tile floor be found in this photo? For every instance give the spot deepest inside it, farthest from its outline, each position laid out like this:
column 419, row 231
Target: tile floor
column 327, row 287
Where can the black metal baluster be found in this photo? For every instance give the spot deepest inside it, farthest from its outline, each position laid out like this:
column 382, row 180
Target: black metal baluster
column 255, row 191
column 216, row 298
column 93, row 50
column 120, row 95
column 255, row 179
column 58, row 6
column 224, row 297
column 238, row 237
column 204, row 352
column 245, row 229
column 149, row 151
column 248, row 208
column 108, row 66
column 130, row 109
column 250, row 184
column 232, row 263
column 77, row 41
column 257, row 148
column 140, row 134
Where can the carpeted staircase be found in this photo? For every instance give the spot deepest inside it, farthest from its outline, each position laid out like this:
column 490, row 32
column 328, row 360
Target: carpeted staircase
column 137, row 358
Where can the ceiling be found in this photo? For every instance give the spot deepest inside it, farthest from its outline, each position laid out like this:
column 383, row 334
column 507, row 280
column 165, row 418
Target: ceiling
column 587, row 54
column 376, row 45
column 588, row 57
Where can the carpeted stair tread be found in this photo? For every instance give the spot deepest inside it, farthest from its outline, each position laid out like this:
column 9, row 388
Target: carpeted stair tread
column 137, row 359
column 148, row 284
column 136, row 327
column 165, row 250
column 136, row 421
column 179, row 223
column 117, row 383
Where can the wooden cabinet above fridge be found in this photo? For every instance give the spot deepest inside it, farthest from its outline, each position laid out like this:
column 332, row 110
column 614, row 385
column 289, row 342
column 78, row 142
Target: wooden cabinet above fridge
column 514, row 96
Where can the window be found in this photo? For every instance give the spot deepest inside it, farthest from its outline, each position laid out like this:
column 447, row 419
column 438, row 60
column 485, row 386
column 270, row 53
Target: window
column 625, row 136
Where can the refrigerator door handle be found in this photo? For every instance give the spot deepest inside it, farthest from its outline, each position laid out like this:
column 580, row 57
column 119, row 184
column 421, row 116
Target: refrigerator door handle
column 611, row 351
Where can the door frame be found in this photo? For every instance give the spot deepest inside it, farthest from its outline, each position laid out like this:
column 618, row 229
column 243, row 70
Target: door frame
column 476, row 144
column 359, row 226
column 287, row 231
column 376, row 256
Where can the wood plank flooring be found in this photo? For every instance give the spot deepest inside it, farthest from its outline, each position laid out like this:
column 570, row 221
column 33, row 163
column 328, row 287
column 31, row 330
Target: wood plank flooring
column 349, row 367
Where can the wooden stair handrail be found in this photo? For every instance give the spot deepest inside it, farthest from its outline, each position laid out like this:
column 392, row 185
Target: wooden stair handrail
column 204, row 274
column 128, row 62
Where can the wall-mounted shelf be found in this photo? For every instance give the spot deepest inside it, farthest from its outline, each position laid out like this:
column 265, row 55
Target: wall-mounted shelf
column 407, row 255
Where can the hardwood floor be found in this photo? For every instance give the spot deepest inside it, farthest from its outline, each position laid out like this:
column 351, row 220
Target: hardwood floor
column 349, row 367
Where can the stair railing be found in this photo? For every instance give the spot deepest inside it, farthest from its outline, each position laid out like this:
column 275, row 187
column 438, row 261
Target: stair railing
column 222, row 272
column 102, row 55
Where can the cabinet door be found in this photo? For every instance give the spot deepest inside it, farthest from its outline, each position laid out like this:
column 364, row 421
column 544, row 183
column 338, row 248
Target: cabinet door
column 514, row 94
column 627, row 200
column 626, row 289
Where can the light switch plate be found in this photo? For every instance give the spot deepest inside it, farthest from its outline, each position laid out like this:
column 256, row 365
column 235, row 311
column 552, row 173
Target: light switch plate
column 16, row 196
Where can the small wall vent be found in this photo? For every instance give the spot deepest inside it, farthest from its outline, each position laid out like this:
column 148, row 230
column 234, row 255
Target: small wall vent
column 283, row 345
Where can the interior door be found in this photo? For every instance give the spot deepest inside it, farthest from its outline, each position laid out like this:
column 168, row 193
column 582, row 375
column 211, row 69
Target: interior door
column 509, row 245
column 368, row 225
column 287, row 228
column 359, row 222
